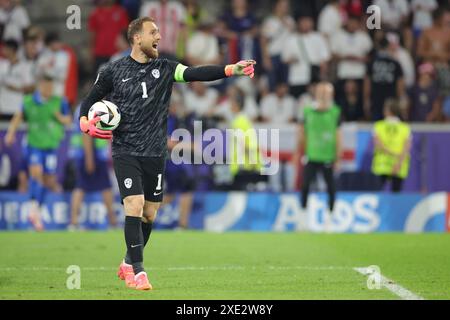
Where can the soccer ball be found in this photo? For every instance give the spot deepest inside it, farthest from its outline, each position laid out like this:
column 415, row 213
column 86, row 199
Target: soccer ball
column 108, row 112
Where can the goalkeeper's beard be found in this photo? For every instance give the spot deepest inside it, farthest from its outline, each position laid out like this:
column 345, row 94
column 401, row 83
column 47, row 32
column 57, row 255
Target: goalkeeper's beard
column 151, row 53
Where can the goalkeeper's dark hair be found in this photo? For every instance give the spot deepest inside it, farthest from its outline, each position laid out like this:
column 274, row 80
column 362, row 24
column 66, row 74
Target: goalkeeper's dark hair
column 135, row 27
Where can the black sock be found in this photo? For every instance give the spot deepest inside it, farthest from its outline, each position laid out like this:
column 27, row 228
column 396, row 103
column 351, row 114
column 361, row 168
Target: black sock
column 146, row 231
column 135, row 242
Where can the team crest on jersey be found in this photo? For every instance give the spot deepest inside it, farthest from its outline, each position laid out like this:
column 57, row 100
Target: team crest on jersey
column 128, row 183
column 155, row 73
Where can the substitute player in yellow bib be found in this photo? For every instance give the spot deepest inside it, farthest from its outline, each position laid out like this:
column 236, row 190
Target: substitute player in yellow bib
column 392, row 140
column 246, row 158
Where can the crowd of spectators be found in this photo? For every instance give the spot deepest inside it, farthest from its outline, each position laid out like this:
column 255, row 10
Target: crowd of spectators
column 296, row 44
column 28, row 52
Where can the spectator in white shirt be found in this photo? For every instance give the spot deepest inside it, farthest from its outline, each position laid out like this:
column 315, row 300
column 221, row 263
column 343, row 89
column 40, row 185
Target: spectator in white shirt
column 170, row 16
column 393, row 13
column 277, row 110
column 16, row 79
column 30, row 52
column 14, row 20
column 330, row 19
column 54, row 62
column 278, row 107
column 275, row 31
column 403, row 57
column 307, row 54
column 351, row 47
column 200, row 100
column 203, row 46
column 422, row 14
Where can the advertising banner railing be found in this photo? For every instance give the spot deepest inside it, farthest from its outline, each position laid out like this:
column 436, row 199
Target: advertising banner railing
column 258, row 211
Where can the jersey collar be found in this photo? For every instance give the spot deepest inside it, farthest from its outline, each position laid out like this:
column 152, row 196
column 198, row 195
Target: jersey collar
column 37, row 97
column 137, row 62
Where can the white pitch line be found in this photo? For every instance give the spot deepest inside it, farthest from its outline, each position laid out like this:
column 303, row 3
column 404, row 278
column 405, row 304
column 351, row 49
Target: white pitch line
column 386, row 282
column 183, row 268
column 389, row 284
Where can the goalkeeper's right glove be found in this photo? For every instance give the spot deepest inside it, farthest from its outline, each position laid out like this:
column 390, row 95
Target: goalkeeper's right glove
column 242, row 68
column 88, row 127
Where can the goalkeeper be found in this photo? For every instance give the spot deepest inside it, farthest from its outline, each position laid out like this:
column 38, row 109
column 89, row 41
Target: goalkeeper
column 141, row 85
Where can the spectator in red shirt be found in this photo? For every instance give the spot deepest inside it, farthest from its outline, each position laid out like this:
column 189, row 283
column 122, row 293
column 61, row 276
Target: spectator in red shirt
column 352, row 7
column 106, row 23
column 170, row 16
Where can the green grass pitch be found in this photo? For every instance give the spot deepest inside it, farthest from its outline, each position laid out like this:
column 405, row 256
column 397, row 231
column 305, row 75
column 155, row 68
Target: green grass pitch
column 200, row 265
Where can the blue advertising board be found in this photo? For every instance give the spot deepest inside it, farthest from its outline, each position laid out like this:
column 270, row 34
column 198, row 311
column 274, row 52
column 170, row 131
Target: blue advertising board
column 240, row 211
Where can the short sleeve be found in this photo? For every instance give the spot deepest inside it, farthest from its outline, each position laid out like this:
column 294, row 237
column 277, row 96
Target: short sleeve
column 334, row 44
column 289, row 50
column 265, row 107
column 398, row 70
column 92, row 21
column 182, row 14
column 124, row 19
column 268, row 28
column 369, row 68
column 28, row 77
column 23, row 18
column 339, row 116
column 191, row 46
column 404, row 7
column 65, row 108
column 325, row 53
column 367, row 42
column 305, row 116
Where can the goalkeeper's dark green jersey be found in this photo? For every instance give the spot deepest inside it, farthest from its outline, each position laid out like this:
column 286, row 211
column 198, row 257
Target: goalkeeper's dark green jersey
column 142, row 93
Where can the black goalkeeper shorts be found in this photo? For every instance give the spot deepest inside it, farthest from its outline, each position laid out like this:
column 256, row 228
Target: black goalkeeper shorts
column 140, row 175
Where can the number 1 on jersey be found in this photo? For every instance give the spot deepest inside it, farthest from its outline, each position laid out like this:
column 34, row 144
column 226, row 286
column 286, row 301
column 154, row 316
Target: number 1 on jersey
column 144, row 90
column 159, row 186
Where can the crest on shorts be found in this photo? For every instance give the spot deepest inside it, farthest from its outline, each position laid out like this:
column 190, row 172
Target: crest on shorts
column 155, row 73
column 128, row 183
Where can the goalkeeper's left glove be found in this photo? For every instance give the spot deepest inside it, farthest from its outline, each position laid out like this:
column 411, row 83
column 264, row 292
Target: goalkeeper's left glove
column 88, row 127
column 242, row 68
